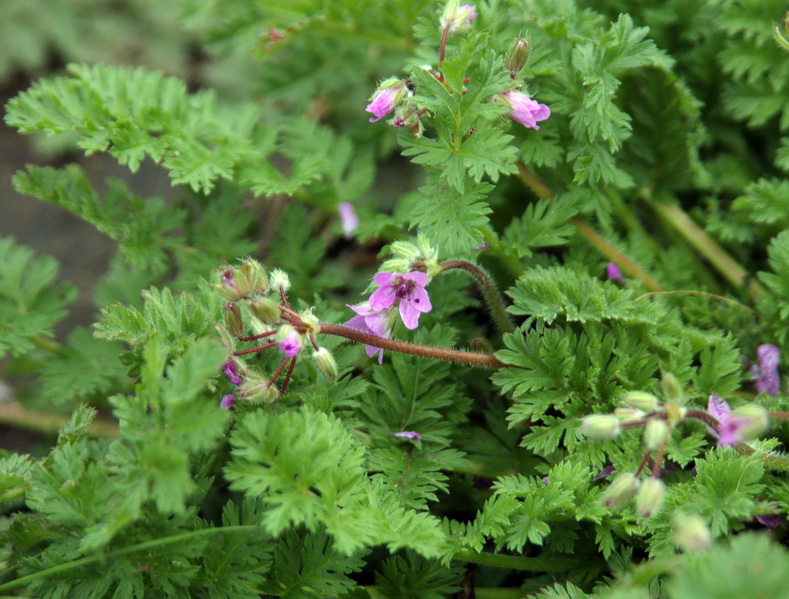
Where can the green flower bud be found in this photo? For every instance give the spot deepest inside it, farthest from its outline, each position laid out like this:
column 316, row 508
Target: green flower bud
column 515, row 58
column 756, row 420
column 325, row 361
column 628, row 415
column 257, row 390
column 655, row 433
column 650, row 497
column 312, row 322
column 782, row 37
column 601, row 426
column 620, row 491
column 233, row 321
column 691, row 533
column 672, row 390
column 396, row 265
column 251, row 278
column 264, row 309
column 640, row 400
column 406, row 250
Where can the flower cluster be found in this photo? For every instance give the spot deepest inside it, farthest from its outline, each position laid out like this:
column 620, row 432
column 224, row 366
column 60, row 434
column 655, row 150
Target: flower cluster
column 397, row 292
column 394, row 96
column 639, row 408
column 257, row 301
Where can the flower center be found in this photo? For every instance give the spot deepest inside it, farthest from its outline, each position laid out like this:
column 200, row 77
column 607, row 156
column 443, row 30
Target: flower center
column 403, row 288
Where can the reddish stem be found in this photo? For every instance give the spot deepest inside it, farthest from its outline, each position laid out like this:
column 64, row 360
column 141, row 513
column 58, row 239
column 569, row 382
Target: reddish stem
column 256, row 337
column 426, row 351
column 277, row 373
column 254, row 349
column 643, row 462
column 287, row 375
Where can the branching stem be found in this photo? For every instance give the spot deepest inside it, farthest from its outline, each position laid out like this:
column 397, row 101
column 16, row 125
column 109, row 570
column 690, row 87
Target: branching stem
column 494, row 300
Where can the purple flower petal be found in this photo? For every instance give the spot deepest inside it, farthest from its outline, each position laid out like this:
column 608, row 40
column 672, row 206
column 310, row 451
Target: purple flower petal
column 227, row 401
column 229, row 369
column 526, row 111
column 769, row 380
column 718, row 407
column 290, row 345
column 348, row 219
column 408, row 435
column 605, row 473
column 613, row 272
column 770, row 521
column 382, row 103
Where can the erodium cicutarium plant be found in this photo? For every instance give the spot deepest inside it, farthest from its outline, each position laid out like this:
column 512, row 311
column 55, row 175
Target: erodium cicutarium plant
column 438, row 300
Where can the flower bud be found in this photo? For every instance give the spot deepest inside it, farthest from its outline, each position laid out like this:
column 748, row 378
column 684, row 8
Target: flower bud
column 691, row 533
column 264, row 309
column 672, row 390
column 620, row 491
column 251, row 278
column 279, row 280
column 312, row 322
column 752, row 420
column 457, row 18
column 290, row 341
column 325, row 361
column 650, row 497
column 640, row 400
column 257, row 390
column 515, row 58
column 227, row 287
column 655, row 433
column 782, row 37
column 628, row 415
column 233, row 321
column 601, row 426
column 405, row 249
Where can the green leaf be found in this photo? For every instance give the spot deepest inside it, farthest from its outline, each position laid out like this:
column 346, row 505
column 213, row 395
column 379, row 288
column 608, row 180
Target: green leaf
column 31, row 302
column 414, row 576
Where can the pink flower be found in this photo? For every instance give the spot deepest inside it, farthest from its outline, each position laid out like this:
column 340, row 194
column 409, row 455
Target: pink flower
column 229, row 368
column 613, row 272
column 769, row 379
column 526, row 111
column 290, row 345
column 372, row 322
column 348, row 218
column 457, row 19
column 383, row 101
column 730, row 428
column 227, row 401
column 408, row 288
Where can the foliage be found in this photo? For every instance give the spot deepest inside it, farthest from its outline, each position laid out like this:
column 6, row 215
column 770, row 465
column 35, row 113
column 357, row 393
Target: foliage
column 227, row 438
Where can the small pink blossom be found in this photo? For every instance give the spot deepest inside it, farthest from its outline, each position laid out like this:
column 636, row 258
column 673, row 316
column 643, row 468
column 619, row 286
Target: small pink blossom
column 730, row 426
column 385, row 98
column 229, row 369
column 372, row 322
column 408, row 288
column 769, row 380
column 526, row 111
column 348, row 218
column 290, row 345
column 227, row 401
column 408, row 435
column 613, row 272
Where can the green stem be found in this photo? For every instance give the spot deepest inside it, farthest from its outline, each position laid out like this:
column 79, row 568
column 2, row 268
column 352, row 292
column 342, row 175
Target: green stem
column 49, row 424
column 593, row 237
column 124, row 551
column 498, row 249
column 517, row 562
column 425, row 351
column 495, row 302
column 708, row 247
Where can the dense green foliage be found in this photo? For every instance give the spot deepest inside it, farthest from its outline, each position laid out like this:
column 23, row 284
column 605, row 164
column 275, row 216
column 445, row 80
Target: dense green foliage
column 665, row 153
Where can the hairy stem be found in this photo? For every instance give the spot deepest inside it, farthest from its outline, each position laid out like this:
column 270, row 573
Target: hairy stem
column 497, row 248
column 494, row 300
column 717, row 256
column 124, row 551
column 425, row 351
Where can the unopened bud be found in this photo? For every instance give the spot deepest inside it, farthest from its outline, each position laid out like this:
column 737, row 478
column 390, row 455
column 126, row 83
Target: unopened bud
column 257, row 390
column 754, row 420
column 650, row 497
column 251, row 278
column 312, row 322
column 325, row 361
column 264, row 309
column 396, row 265
column 629, row 415
column 233, row 321
column 672, row 390
column 691, row 533
column 515, row 58
column 782, row 37
column 655, row 433
column 279, row 280
column 601, row 426
column 620, row 491
column 457, row 18
column 405, row 249
column 640, row 400
column 227, row 285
